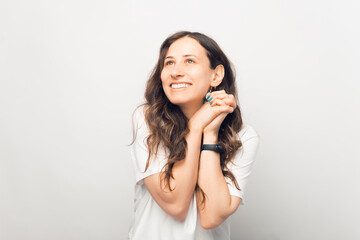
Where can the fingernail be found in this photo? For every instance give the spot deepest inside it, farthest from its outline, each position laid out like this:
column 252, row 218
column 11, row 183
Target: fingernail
column 204, row 101
column 210, row 99
column 211, row 103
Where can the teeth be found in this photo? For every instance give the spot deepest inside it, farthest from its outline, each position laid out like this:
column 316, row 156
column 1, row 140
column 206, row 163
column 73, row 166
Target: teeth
column 180, row 85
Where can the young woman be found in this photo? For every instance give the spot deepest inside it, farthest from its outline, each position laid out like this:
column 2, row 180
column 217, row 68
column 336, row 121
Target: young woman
column 192, row 152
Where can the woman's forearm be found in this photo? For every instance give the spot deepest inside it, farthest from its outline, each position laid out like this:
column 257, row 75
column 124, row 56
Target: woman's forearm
column 185, row 174
column 213, row 183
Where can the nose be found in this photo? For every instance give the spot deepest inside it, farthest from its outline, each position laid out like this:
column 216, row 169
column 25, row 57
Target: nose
column 177, row 71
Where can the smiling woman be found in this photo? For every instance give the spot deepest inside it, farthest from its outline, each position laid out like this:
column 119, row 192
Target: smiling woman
column 191, row 151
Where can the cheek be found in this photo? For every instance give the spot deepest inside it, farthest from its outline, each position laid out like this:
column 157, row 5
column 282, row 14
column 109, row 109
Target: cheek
column 164, row 81
column 204, row 79
column 203, row 75
column 163, row 76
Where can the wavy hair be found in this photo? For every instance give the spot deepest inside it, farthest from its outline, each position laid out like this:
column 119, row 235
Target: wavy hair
column 167, row 123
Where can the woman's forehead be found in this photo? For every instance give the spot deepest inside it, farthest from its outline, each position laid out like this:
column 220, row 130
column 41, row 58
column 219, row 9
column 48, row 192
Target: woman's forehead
column 186, row 46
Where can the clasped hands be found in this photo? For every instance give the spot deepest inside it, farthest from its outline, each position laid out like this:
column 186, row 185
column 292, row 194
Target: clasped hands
column 211, row 114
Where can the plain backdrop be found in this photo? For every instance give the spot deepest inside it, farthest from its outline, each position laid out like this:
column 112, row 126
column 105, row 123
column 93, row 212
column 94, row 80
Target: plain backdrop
column 72, row 72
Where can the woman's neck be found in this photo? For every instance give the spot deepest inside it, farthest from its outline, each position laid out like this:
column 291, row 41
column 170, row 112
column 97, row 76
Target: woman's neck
column 190, row 109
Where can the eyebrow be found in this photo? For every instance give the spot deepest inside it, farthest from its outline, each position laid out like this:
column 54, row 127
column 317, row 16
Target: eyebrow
column 186, row 55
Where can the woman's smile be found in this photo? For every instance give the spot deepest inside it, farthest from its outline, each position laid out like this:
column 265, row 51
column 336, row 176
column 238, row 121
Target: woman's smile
column 179, row 86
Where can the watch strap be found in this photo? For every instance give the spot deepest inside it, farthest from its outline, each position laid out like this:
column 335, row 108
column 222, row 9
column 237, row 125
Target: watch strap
column 212, row 147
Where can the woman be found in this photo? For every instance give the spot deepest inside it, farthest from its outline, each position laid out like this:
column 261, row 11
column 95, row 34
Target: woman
column 191, row 151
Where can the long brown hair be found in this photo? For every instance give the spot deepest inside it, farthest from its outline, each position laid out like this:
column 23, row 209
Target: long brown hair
column 166, row 122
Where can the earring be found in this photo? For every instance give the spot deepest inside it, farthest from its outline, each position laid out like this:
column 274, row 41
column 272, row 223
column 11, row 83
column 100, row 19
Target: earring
column 207, row 96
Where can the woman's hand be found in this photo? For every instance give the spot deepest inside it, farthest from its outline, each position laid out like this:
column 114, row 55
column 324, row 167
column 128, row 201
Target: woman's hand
column 220, row 99
column 221, row 104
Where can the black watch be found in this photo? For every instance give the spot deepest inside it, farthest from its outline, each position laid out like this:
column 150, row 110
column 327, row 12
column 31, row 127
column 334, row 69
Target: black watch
column 212, row 147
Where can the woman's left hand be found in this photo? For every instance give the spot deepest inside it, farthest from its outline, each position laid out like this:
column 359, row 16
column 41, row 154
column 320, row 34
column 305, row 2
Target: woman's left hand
column 220, row 98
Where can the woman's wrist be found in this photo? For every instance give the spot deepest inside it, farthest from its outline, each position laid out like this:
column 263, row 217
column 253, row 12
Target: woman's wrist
column 210, row 138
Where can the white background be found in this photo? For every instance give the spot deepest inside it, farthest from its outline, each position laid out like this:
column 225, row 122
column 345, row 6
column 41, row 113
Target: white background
column 72, row 72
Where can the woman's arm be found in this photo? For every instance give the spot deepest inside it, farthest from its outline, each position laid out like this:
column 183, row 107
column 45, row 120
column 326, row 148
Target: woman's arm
column 185, row 172
column 219, row 203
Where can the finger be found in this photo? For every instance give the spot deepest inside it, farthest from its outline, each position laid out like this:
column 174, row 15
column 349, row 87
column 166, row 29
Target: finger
column 220, row 96
column 223, row 106
column 218, row 92
column 212, row 94
column 215, row 93
column 217, row 102
column 228, row 99
column 224, row 109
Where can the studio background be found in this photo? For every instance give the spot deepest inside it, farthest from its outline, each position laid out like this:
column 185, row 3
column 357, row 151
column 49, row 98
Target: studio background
column 72, row 72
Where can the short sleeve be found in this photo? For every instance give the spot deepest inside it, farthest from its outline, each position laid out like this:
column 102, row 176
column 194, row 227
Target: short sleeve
column 139, row 151
column 243, row 161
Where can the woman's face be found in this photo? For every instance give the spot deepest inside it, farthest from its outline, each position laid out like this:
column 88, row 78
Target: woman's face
column 186, row 75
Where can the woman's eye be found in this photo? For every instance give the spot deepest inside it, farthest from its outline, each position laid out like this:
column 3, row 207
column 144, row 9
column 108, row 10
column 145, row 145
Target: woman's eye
column 171, row 62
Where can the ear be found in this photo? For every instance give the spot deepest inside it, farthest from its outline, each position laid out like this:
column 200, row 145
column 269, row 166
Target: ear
column 218, row 76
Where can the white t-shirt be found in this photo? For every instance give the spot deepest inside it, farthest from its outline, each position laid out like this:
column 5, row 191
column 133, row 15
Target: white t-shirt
column 151, row 221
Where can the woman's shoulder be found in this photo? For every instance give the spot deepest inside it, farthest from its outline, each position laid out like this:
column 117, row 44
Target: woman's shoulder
column 138, row 116
column 250, row 140
column 139, row 112
column 247, row 132
column 138, row 121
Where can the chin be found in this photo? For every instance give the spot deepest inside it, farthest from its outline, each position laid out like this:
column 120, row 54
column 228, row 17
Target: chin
column 184, row 102
column 177, row 101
